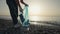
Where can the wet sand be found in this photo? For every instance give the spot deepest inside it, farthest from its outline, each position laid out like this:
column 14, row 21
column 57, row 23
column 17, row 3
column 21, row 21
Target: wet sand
column 6, row 27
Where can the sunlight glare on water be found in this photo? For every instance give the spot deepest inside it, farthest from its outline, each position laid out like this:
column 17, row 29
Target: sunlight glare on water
column 43, row 18
column 35, row 18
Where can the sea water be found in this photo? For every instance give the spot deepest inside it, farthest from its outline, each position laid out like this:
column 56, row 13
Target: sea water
column 44, row 18
column 35, row 18
column 55, row 20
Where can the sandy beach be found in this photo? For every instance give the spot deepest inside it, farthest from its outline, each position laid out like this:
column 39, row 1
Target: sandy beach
column 6, row 27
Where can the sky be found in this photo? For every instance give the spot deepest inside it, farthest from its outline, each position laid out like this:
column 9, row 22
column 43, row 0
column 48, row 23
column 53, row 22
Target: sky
column 36, row 7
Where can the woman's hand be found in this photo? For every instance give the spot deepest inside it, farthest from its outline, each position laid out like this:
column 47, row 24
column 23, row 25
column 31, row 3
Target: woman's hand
column 21, row 10
column 26, row 4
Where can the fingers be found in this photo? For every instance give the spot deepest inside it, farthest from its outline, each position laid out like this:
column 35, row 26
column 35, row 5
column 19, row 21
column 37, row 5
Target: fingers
column 26, row 4
column 21, row 10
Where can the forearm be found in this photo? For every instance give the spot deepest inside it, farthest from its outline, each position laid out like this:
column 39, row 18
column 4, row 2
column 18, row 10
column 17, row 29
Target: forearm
column 20, row 6
column 17, row 2
column 23, row 2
